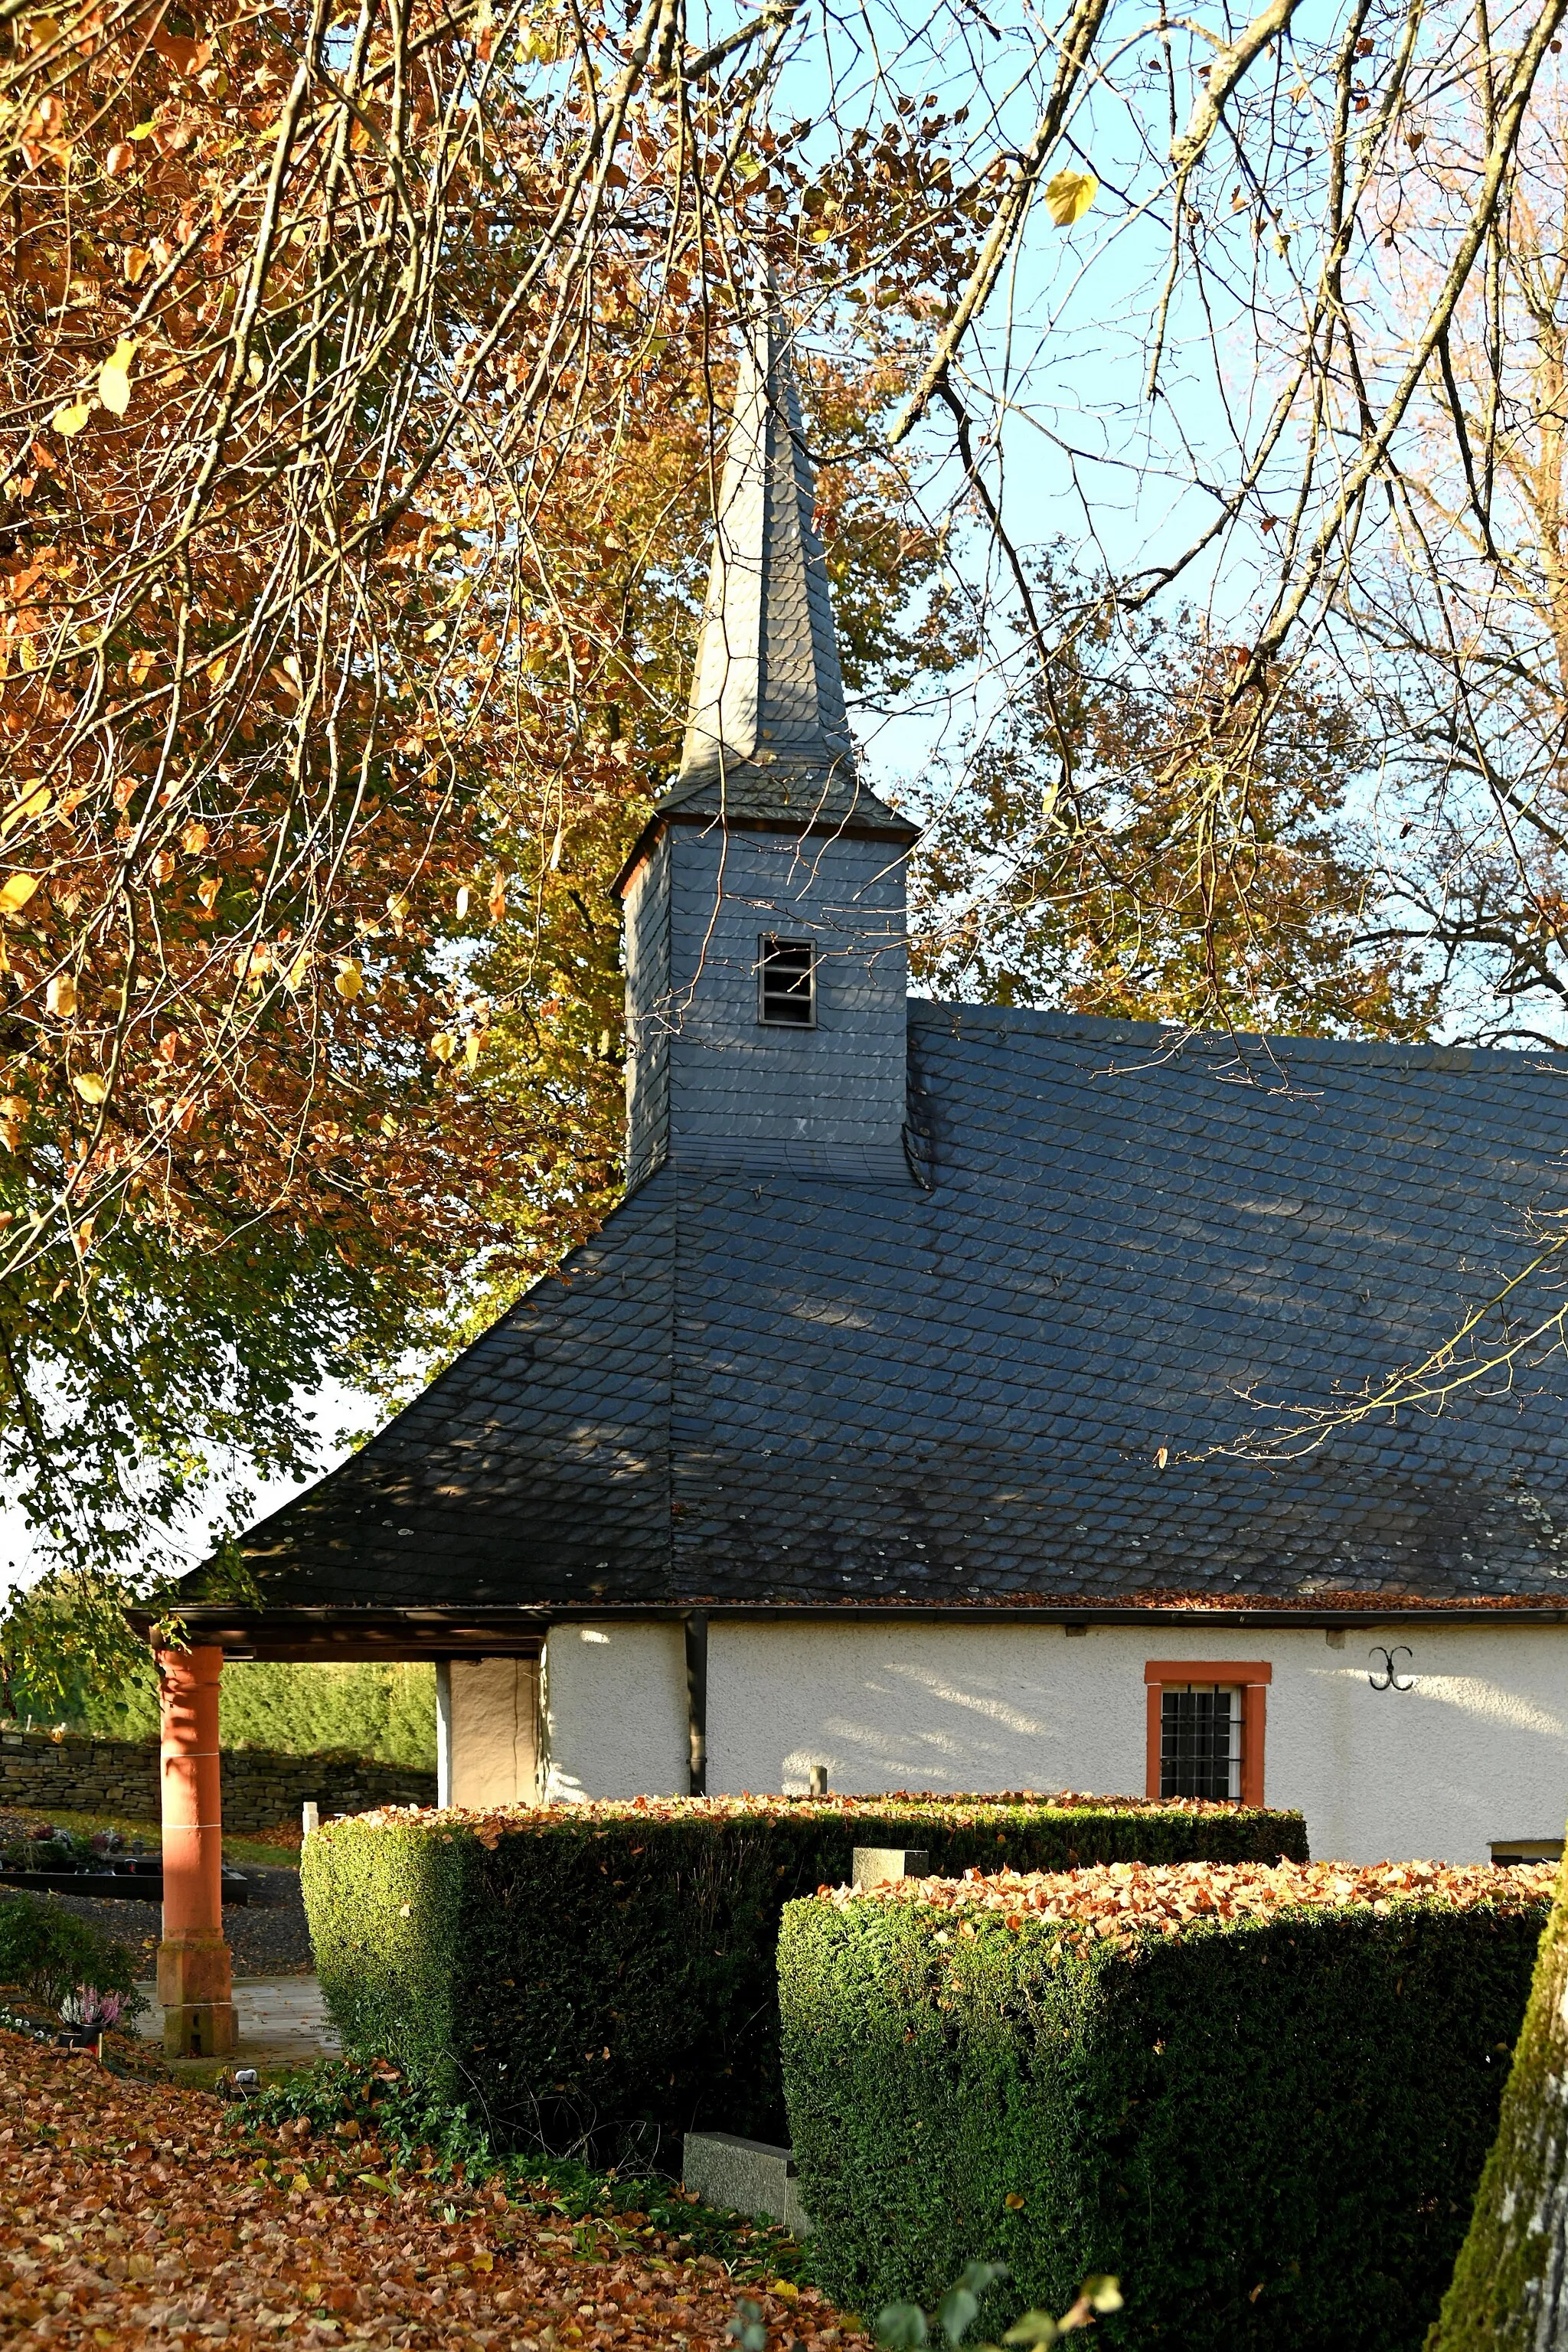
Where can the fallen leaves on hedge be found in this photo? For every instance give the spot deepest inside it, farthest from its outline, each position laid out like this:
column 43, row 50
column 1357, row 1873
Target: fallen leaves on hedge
column 132, row 2212
column 491, row 1824
column 1122, row 1899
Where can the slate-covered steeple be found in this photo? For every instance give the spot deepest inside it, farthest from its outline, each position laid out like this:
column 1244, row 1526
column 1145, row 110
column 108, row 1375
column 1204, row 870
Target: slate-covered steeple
column 766, row 1013
column 767, row 733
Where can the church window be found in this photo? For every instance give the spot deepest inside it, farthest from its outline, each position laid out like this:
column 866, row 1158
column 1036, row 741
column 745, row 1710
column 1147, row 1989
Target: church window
column 1205, row 1728
column 786, row 984
column 1200, row 1740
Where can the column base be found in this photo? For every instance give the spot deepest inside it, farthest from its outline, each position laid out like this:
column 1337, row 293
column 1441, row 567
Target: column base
column 200, row 2029
column 195, row 1985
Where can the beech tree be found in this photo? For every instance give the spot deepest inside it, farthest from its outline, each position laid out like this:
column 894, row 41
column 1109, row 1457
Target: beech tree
column 1132, row 840
column 323, row 686
column 1510, row 2290
column 360, row 376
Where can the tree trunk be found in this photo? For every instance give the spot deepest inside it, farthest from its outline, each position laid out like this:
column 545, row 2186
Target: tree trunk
column 1510, row 2288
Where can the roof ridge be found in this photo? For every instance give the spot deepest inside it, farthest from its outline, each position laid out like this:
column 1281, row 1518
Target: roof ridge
column 1416, row 1053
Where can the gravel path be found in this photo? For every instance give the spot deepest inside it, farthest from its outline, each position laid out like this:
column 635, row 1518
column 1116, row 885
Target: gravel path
column 268, row 1934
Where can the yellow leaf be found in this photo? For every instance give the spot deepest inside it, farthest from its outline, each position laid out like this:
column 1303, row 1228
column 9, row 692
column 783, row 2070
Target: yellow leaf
column 42, row 30
column 15, row 891
column 116, row 377
column 138, row 666
column 32, row 803
column 90, row 1087
column 1070, row 195
column 194, row 838
column 61, row 997
column 71, row 418
column 299, row 970
column 216, row 668
column 443, row 1046
column 397, row 906
column 462, row 902
column 471, row 1044
column 348, row 981
column 484, row 2262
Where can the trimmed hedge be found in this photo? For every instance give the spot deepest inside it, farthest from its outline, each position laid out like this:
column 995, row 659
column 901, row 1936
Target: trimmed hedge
column 599, row 1977
column 1261, row 2099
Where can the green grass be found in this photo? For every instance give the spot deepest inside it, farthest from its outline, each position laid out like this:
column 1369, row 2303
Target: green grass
column 245, row 1852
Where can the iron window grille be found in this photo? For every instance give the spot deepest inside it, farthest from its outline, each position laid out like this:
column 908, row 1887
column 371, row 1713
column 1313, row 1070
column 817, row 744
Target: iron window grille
column 786, row 984
column 1200, row 1741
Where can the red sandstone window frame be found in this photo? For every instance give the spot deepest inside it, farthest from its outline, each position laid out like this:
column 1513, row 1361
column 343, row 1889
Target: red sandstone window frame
column 1252, row 1676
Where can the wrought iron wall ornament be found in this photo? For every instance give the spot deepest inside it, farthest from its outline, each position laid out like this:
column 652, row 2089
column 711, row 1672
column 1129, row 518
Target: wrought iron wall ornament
column 1390, row 1670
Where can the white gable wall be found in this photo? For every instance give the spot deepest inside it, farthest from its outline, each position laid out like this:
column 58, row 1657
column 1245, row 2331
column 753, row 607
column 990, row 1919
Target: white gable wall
column 1478, row 1750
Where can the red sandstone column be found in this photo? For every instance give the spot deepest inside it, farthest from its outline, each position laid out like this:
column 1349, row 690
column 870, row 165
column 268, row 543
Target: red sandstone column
column 194, row 1980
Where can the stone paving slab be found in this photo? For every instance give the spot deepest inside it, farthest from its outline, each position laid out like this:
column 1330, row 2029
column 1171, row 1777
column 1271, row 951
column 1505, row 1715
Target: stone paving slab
column 282, row 2021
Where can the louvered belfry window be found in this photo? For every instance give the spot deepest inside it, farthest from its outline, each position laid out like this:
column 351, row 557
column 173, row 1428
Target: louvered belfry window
column 786, row 984
column 1200, row 1741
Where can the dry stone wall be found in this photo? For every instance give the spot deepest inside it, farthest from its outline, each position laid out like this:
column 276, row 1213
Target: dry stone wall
column 72, row 1774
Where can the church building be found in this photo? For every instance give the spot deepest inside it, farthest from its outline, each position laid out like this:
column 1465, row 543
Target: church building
column 900, row 1429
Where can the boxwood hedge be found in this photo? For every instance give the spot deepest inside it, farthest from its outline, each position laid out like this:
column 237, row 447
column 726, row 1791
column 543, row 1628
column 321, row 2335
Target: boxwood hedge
column 601, row 1977
column 1267, row 2117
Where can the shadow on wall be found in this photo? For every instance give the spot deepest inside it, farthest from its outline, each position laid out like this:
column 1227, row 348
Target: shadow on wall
column 953, row 1708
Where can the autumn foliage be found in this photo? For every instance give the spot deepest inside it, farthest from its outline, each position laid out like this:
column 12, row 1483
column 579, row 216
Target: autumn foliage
column 128, row 2206
column 1117, row 1902
column 361, row 385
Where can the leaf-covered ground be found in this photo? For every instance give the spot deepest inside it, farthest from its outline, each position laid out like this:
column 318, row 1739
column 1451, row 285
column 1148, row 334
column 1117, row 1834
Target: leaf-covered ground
column 143, row 2213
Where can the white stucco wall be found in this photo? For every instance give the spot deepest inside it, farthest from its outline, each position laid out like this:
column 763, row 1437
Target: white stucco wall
column 1478, row 1750
column 614, row 1712
column 495, row 1731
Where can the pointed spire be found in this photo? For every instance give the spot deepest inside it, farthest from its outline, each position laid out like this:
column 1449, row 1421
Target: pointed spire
column 767, row 733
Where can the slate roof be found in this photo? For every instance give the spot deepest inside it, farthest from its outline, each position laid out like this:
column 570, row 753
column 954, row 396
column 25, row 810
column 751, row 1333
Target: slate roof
column 768, row 737
column 751, row 1392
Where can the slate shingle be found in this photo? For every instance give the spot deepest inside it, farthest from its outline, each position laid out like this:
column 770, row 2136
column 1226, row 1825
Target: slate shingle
column 776, row 1390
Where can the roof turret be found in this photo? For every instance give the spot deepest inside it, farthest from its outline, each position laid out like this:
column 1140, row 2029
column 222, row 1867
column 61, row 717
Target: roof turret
column 767, row 735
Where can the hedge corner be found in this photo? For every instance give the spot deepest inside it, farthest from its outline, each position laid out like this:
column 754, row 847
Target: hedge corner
column 1262, row 2098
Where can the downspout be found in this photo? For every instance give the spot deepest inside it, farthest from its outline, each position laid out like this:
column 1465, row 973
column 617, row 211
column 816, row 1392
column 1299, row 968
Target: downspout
column 696, row 1700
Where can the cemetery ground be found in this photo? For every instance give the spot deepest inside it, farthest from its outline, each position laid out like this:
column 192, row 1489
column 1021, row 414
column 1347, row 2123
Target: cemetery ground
column 267, row 1934
column 138, row 2211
